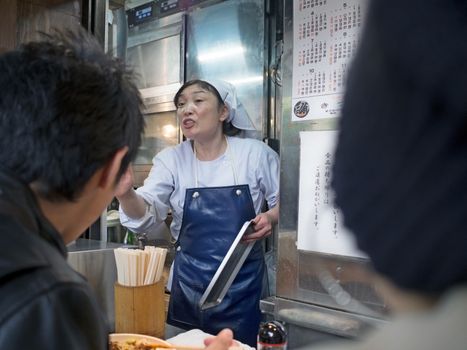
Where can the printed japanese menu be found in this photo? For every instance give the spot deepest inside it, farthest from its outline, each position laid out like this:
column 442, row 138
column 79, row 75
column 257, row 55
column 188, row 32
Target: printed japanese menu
column 326, row 37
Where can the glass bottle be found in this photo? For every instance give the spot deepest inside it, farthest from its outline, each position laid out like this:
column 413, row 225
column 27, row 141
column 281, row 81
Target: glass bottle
column 130, row 238
column 272, row 336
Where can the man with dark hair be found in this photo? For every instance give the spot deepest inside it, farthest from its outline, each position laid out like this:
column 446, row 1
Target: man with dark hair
column 70, row 123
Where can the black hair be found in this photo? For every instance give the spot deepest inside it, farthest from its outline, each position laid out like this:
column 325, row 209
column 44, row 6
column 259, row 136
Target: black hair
column 227, row 127
column 66, row 107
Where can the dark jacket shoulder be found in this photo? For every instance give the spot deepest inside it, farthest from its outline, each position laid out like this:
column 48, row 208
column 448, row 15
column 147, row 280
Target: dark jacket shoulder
column 45, row 303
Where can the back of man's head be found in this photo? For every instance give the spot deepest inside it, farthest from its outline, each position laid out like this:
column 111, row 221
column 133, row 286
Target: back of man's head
column 65, row 108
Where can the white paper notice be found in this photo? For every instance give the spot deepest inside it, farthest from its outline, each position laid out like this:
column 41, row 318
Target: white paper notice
column 326, row 36
column 320, row 227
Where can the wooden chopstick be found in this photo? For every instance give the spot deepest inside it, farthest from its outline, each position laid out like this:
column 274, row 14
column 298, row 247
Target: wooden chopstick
column 173, row 346
column 184, row 347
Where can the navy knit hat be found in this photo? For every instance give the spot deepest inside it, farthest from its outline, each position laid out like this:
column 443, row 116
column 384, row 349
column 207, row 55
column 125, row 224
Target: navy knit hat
column 400, row 171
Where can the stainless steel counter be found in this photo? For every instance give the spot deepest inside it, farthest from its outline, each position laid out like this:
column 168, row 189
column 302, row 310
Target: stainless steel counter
column 95, row 260
column 309, row 324
column 91, row 245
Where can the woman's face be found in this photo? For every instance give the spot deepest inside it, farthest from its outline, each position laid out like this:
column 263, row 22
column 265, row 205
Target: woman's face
column 199, row 112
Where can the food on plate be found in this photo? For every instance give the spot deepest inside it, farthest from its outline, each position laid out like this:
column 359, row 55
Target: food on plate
column 128, row 341
column 131, row 344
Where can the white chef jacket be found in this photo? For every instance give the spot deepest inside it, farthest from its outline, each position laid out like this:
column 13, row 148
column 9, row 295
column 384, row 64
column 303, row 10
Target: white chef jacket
column 175, row 169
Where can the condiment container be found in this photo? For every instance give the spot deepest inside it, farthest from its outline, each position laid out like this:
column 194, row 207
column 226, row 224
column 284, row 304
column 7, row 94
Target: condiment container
column 272, row 336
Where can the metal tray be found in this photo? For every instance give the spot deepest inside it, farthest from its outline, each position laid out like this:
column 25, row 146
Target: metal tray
column 228, row 269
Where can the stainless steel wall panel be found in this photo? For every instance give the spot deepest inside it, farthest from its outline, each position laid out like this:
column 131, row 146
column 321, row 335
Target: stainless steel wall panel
column 95, row 260
column 227, row 41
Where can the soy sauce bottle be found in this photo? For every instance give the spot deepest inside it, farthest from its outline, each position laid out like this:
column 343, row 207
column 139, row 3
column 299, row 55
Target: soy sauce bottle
column 272, row 336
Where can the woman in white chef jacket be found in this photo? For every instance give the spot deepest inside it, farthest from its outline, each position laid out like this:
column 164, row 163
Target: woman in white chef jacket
column 212, row 183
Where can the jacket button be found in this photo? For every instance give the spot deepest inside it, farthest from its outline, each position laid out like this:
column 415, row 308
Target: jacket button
column 195, row 194
column 238, row 192
column 179, row 248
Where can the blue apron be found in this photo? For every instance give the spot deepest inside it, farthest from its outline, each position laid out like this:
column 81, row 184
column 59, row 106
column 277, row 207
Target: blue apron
column 212, row 217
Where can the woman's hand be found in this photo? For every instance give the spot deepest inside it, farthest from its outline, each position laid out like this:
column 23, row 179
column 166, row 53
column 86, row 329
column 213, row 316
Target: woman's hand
column 125, row 183
column 132, row 204
column 263, row 224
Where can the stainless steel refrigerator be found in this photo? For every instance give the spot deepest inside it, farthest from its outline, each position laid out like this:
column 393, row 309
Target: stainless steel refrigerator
column 170, row 42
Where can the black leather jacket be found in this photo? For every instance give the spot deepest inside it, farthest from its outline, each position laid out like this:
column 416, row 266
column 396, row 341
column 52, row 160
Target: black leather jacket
column 44, row 303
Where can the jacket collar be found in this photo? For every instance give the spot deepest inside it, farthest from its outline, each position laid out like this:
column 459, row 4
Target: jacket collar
column 18, row 200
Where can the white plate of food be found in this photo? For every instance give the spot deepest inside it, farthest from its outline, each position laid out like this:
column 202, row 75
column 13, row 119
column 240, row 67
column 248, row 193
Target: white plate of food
column 131, row 341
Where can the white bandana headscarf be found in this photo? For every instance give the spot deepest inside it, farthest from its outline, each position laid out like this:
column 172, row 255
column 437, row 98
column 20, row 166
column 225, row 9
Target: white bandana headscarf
column 238, row 115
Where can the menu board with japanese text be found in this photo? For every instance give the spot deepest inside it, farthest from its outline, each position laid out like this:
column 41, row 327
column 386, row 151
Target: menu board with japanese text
column 326, row 37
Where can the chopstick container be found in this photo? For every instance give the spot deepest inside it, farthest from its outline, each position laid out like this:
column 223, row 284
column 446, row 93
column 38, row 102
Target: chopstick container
column 140, row 309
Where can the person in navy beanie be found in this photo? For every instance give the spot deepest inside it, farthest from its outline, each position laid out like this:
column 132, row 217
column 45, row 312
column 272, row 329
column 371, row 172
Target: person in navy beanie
column 400, row 170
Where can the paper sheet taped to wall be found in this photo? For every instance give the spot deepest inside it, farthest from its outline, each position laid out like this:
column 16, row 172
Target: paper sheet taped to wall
column 320, row 225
